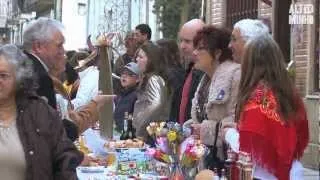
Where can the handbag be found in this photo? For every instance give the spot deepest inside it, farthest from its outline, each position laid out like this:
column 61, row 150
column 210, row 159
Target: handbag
column 212, row 161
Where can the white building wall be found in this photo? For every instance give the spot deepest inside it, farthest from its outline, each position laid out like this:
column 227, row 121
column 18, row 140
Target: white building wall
column 94, row 21
column 96, row 18
column 75, row 22
column 139, row 16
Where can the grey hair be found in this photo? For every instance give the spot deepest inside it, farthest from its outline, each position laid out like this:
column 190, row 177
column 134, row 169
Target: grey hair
column 250, row 28
column 23, row 67
column 41, row 30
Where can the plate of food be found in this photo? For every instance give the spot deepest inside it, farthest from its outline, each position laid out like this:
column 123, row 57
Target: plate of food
column 92, row 169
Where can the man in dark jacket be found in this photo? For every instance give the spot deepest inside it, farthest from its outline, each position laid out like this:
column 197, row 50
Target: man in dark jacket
column 43, row 44
column 192, row 78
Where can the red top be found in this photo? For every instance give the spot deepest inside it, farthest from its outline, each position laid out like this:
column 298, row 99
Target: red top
column 272, row 143
column 185, row 98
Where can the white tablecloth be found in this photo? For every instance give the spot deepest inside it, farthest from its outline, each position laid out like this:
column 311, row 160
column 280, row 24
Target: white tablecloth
column 105, row 174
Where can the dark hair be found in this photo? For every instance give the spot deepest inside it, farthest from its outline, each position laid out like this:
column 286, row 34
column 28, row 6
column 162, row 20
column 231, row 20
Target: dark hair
column 144, row 29
column 214, row 38
column 171, row 52
column 155, row 64
column 71, row 74
column 264, row 61
column 73, row 57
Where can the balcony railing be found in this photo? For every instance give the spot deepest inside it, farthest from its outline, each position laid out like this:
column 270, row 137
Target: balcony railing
column 240, row 9
column 36, row 5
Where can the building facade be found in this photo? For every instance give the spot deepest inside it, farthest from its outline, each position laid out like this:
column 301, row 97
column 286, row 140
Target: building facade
column 303, row 49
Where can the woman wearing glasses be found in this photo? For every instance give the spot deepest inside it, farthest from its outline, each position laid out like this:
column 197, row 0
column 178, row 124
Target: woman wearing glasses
column 214, row 102
column 33, row 142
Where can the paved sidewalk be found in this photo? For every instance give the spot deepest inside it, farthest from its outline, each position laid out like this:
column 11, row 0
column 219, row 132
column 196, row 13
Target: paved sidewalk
column 311, row 174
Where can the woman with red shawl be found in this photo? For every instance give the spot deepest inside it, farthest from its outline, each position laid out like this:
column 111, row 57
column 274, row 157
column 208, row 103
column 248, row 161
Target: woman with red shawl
column 272, row 121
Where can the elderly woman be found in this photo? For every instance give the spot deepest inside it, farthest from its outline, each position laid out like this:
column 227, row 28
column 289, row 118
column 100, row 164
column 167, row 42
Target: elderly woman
column 215, row 99
column 33, row 143
column 152, row 97
column 272, row 121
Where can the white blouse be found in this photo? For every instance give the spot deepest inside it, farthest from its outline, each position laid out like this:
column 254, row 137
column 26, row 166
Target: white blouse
column 88, row 88
column 12, row 157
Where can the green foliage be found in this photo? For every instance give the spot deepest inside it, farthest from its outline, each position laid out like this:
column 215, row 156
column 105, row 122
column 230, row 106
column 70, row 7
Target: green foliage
column 169, row 14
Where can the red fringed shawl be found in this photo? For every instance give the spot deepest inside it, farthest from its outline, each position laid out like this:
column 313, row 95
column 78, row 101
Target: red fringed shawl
column 272, row 143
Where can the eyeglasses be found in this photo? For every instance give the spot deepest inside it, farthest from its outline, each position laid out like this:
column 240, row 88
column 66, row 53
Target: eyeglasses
column 5, row 76
column 128, row 73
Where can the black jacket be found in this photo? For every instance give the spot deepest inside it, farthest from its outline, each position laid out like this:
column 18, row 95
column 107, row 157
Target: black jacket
column 43, row 80
column 196, row 77
column 46, row 89
column 176, row 76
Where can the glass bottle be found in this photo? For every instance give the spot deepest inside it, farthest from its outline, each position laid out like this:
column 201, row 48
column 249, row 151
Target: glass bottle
column 216, row 175
column 223, row 175
column 176, row 172
column 247, row 167
column 125, row 132
column 230, row 165
column 131, row 130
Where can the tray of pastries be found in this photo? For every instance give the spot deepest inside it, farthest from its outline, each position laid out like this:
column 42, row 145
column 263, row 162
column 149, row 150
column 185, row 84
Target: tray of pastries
column 129, row 143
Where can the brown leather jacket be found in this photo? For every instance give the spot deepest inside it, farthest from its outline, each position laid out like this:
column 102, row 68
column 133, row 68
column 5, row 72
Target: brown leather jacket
column 49, row 153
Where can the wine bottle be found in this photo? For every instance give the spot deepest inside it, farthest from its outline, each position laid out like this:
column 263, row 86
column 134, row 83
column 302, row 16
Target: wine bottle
column 223, row 175
column 131, row 130
column 125, row 132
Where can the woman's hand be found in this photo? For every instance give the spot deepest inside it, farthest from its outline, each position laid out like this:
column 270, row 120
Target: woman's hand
column 226, row 127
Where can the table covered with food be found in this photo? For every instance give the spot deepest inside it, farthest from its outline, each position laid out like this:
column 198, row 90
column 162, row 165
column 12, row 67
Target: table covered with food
column 174, row 155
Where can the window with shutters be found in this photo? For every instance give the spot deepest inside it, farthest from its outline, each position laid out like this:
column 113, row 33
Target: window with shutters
column 241, row 9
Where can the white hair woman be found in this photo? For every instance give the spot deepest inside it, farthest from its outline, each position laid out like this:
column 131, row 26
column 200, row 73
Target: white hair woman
column 33, row 142
column 243, row 31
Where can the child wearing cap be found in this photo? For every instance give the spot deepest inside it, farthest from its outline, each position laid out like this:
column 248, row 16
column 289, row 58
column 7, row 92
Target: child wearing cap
column 124, row 102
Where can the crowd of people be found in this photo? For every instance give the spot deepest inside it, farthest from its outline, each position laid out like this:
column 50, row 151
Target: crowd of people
column 230, row 87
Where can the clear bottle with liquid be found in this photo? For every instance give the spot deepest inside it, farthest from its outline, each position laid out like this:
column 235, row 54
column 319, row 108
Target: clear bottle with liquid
column 223, row 175
column 131, row 130
column 125, row 133
column 216, row 175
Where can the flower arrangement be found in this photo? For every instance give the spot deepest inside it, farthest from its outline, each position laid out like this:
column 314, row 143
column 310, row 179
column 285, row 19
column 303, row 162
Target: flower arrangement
column 174, row 145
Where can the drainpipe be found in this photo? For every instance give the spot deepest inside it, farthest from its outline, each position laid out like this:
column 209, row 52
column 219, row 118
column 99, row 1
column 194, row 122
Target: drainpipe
column 58, row 10
column 147, row 11
column 129, row 15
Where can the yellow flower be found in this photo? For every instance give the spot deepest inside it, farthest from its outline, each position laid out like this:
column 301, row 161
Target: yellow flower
column 172, row 136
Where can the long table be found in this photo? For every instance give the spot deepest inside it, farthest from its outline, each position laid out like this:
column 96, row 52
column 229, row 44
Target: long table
column 95, row 143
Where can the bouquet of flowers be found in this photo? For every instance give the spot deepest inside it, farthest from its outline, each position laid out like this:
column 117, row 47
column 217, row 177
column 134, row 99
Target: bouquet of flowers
column 174, row 145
